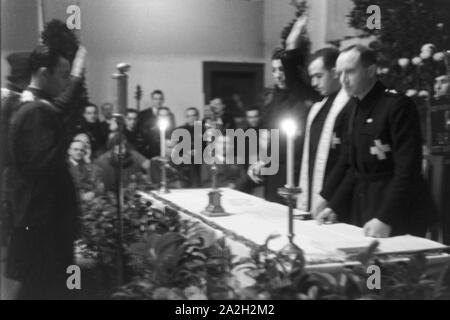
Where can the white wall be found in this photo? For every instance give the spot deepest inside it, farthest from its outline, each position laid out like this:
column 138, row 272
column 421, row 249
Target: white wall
column 18, row 29
column 166, row 41
column 327, row 21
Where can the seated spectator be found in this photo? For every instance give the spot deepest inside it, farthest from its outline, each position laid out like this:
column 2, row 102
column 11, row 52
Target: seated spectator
column 253, row 118
column 90, row 125
column 221, row 113
column 109, row 124
column 84, row 138
column 134, row 164
column 131, row 133
column 84, row 174
column 193, row 170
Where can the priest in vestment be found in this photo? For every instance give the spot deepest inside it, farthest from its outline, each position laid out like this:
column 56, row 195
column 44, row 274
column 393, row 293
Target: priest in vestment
column 325, row 126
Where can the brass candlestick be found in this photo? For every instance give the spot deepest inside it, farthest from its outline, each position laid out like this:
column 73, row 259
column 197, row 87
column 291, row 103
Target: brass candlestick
column 214, row 207
column 290, row 195
column 164, row 187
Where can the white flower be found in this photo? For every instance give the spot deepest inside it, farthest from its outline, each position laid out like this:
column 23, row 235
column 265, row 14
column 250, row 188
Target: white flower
column 428, row 47
column 438, row 56
column 416, row 61
column 411, row 93
column 403, row 62
column 425, row 55
column 423, row 93
column 382, row 70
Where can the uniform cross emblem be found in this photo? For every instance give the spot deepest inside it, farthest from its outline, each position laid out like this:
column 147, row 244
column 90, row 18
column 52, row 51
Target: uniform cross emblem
column 380, row 149
column 335, row 141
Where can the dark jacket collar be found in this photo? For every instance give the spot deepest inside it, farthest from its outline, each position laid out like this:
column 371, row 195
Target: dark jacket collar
column 14, row 88
column 373, row 93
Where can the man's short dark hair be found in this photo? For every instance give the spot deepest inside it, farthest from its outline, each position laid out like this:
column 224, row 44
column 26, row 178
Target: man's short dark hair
column 114, row 141
column 44, row 57
column 90, row 105
column 329, row 56
column 277, row 54
column 107, row 104
column 157, row 92
column 367, row 55
column 194, row 109
column 129, row 110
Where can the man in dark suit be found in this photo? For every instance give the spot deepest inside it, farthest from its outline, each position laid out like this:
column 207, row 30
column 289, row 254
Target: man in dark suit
column 131, row 133
column 44, row 197
column 146, row 122
column 292, row 97
column 90, row 124
column 377, row 183
column 193, row 170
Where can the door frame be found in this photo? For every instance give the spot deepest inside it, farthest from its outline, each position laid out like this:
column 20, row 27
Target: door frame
column 209, row 67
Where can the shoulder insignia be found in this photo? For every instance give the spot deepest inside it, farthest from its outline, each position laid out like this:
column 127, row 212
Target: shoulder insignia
column 391, row 92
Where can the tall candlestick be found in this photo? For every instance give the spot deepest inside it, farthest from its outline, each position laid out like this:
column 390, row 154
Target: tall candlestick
column 163, row 145
column 163, row 124
column 290, row 162
column 289, row 128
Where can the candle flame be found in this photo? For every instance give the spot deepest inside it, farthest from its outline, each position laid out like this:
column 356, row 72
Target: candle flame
column 289, row 126
column 163, row 124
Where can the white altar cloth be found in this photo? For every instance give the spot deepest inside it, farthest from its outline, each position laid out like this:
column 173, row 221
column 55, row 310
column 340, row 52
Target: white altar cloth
column 256, row 219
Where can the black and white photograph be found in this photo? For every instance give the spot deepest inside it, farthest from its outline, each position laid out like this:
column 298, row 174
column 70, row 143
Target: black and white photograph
column 227, row 154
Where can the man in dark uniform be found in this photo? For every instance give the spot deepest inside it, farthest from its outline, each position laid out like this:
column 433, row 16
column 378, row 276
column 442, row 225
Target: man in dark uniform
column 44, row 196
column 292, row 98
column 377, row 184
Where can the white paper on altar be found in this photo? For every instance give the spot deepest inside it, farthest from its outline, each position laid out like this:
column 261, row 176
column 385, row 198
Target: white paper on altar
column 256, row 219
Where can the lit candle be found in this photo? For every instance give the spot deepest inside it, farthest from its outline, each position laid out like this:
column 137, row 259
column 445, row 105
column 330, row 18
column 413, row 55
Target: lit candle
column 290, row 128
column 163, row 124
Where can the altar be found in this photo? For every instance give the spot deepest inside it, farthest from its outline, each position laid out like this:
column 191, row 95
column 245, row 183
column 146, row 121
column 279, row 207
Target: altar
column 252, row 220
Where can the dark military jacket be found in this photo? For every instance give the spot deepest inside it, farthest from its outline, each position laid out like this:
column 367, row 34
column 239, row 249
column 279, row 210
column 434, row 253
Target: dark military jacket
column 379, row 174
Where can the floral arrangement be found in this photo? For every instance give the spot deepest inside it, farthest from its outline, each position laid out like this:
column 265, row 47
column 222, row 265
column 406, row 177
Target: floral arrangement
column 168, row 257
column 410, row 43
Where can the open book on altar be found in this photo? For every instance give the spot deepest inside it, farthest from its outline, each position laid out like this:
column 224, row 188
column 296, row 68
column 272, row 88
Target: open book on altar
column 351, row 239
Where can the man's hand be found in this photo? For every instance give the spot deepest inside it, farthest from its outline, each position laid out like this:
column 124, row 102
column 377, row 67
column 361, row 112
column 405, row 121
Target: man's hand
column 294, row 37
column 254, row 171
column 326, row 216
column 377, row 229
column 79, row 62
column 319, row 207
